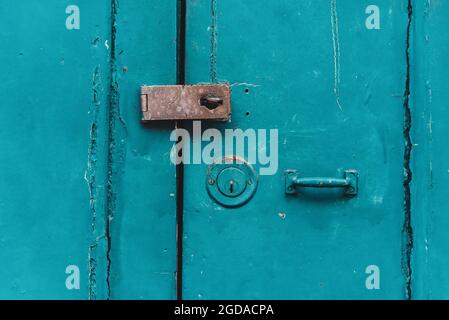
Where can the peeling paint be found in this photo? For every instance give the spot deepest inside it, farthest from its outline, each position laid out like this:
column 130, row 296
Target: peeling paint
column 336, row 46
column 246, row 84
column 117, row 138
column 92, row 276
column 90, row 177
column 93, row 145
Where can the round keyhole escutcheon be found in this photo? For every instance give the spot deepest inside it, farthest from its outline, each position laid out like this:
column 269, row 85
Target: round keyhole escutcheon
column 232, row 182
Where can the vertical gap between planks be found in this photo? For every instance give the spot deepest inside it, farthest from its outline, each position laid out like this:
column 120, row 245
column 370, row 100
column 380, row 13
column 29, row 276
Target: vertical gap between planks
column 180, row 75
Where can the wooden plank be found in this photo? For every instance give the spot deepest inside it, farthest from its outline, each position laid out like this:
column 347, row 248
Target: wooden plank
column 143, row 212
column 334, row 91
column 53, row 141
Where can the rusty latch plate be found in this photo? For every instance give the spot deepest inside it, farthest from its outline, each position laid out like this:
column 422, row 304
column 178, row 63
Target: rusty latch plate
column 194, row 102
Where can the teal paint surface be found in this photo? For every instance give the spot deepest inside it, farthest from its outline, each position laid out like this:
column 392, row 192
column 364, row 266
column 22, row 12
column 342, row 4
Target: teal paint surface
column 430, row 153
column 143, row 228
column 334, row 90
column 78, row 169
column 84, row 183
column 53, row 141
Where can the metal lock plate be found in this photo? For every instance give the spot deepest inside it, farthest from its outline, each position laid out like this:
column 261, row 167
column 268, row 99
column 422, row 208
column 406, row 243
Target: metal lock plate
column 232, row 182
column 196, row 102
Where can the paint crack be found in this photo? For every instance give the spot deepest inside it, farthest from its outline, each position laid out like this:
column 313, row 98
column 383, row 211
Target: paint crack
column 112, row 115
column 407, row 230
column 336, row 46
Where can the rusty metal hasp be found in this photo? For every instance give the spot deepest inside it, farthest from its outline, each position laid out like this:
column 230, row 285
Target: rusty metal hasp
column 194, row 102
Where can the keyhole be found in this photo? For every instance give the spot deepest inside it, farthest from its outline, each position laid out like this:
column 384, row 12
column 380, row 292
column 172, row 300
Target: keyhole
column 211, row 102
column 231, row 182
column 231, row 187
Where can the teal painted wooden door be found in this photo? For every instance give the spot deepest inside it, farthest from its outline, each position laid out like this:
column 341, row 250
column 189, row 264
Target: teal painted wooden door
column 334, row 91
column 88, row 194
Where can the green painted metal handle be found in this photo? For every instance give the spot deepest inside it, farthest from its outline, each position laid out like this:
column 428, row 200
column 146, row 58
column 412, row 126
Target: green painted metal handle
column 349, row 182
column 321, row 183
